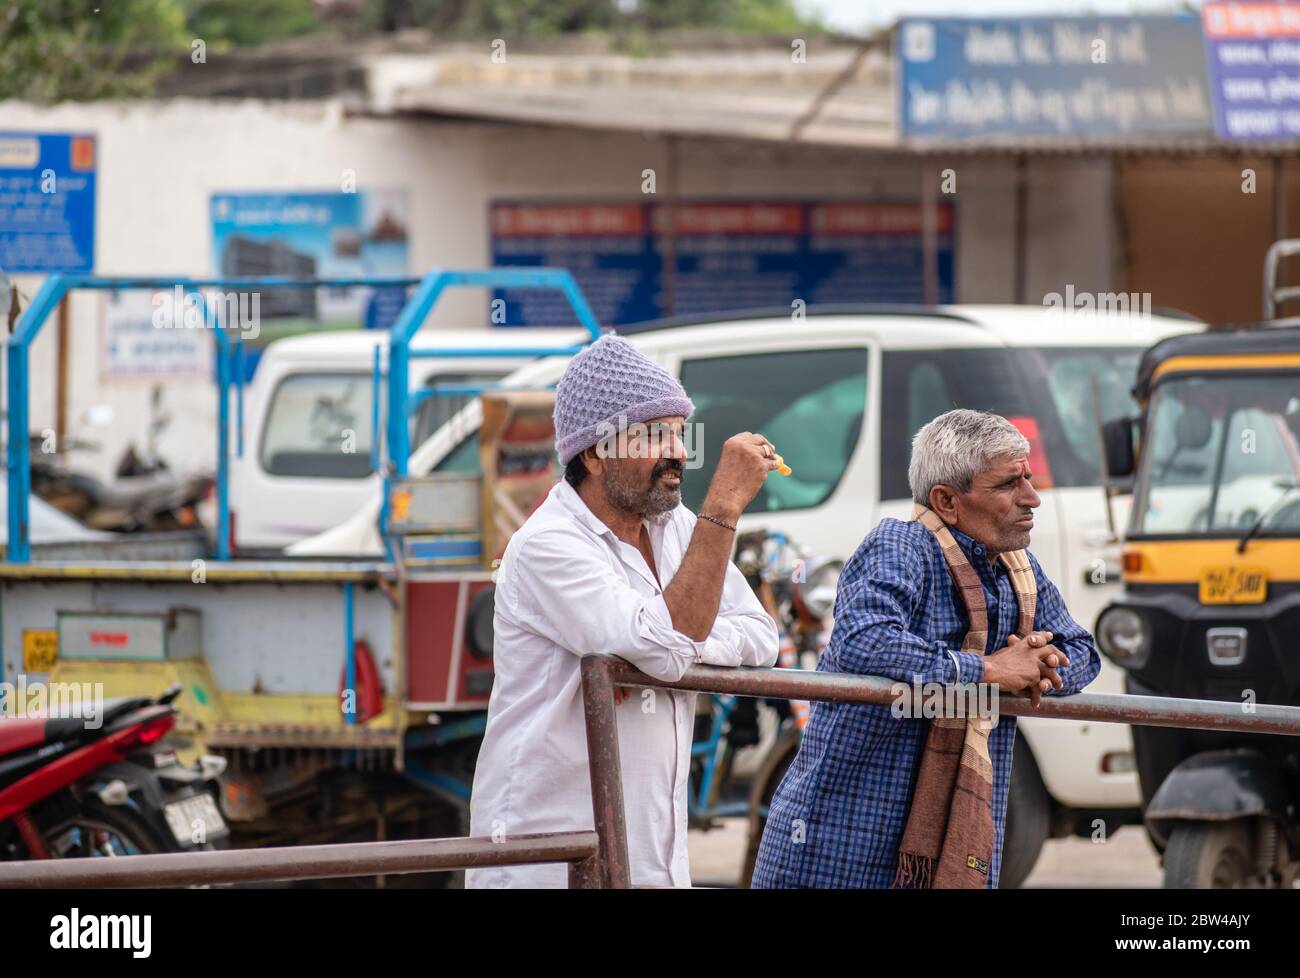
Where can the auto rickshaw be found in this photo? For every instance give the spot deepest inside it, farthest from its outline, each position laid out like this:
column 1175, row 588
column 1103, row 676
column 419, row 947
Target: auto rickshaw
column 1210, row 607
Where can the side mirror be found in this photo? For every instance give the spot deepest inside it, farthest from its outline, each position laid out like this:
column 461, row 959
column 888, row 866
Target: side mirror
column 1117, row 438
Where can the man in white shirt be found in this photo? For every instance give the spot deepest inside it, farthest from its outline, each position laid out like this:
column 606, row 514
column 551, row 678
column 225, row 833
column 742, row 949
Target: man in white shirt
column 612, row 562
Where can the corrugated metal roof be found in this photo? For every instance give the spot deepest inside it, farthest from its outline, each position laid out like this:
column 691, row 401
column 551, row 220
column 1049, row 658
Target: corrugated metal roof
column 749, row 96
column 841, row 95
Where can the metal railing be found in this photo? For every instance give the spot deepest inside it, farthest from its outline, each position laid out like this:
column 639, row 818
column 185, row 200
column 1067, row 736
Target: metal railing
column 230, row 866
column 599, row 858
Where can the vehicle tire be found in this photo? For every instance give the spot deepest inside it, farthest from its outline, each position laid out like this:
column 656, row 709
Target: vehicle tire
column 763, row 797
column 69, row 836
column 1209, row 856
column 1029, row 818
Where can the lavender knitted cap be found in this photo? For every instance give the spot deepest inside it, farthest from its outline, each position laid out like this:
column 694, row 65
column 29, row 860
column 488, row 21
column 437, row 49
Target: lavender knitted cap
column 611, row 384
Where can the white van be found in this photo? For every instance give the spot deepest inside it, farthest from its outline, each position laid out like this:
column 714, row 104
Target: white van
column 841, row 395
column 306, row 465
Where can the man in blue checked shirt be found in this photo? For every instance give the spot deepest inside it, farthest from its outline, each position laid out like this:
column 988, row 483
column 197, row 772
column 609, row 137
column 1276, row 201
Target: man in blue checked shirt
column 838, row 817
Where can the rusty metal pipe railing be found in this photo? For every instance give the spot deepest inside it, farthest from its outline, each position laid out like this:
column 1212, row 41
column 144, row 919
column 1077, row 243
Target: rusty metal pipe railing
column 606, row 769
column 600, row 858
column 601, row 673
column 581, row 850
column 1155, row 711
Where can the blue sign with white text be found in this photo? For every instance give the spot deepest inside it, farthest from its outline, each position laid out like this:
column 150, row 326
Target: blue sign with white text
column 1052, row 76
column 47, row 202
column 1253, row 50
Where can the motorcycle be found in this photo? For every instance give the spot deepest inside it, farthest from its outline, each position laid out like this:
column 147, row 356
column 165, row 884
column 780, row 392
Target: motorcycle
column 798, row 591
column 144, row 496
column 67, row 790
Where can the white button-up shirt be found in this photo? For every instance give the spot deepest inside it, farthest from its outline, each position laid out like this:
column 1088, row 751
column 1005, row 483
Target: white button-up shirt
column 568, row 586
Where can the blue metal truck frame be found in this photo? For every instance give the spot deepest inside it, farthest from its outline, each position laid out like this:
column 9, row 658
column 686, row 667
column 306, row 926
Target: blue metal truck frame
column 397, row 447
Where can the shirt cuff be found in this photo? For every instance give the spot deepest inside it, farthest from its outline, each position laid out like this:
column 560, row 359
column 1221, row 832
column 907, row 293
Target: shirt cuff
column 722, row 647
column 718, row 651
column 972, row 667
column 657, row 622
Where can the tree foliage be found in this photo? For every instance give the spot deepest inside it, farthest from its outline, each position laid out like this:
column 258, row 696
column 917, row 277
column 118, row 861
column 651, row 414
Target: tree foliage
column 53, row 50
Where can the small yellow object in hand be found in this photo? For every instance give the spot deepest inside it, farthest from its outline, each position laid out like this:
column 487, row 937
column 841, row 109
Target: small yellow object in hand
column 782, row 467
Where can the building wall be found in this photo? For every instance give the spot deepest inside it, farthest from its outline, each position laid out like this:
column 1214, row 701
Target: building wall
column 1195, row 231
column 158, row 164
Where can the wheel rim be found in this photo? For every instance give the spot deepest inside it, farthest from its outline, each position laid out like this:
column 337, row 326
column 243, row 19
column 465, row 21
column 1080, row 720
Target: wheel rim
column 90, row 838
column 1229, row 872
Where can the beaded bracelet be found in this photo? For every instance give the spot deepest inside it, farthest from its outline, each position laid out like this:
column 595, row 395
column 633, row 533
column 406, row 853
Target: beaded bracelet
column 722, row 523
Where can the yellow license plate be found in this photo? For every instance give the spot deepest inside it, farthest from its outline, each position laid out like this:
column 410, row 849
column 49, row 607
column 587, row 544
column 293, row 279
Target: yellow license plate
column 40, row 649
column 1233, row 585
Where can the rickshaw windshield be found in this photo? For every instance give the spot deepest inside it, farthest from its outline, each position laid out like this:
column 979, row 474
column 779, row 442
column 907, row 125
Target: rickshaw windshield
column 1221, row 450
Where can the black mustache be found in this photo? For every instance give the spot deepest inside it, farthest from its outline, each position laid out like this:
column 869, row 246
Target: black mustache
column 666, row 465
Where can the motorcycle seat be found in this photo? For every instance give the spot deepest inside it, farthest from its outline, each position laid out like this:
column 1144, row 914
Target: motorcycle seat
column 18, row 734
column 132, row 491
column 22, row 733
column 123, row 705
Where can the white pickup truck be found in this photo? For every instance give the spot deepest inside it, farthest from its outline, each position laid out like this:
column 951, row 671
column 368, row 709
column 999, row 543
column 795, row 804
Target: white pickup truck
column 842, row 395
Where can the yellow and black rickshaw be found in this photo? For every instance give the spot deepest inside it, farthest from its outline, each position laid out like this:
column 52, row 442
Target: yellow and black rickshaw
column 1211, row 601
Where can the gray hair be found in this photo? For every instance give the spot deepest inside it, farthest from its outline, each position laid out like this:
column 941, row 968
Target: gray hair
column 953, row 448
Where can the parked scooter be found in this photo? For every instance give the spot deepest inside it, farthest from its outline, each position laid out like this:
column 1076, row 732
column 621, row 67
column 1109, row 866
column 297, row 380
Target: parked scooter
column 145, row 496
column 70, row 790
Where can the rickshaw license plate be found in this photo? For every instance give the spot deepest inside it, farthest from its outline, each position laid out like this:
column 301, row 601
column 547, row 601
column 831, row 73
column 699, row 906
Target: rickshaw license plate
column 1233, row 585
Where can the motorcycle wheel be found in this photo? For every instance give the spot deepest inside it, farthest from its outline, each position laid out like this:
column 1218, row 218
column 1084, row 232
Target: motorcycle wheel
column 98, row 831
column 757, row 822
column 1209, row 856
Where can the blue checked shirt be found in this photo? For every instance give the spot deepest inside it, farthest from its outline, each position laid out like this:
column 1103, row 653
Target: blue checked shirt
column 837, row 817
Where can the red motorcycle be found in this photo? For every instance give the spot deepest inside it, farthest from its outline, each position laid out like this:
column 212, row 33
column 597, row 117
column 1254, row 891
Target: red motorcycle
column 70, row 790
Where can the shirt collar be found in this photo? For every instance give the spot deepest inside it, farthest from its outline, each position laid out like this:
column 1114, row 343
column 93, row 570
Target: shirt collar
column 970, row 547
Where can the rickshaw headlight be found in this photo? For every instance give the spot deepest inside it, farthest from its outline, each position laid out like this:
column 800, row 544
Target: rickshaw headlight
column 1125, row 637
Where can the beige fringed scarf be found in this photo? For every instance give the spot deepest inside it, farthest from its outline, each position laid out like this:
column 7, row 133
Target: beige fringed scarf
column 948, row 840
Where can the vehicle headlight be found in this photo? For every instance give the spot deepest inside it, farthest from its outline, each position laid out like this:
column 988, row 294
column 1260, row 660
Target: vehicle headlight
column 817, row 590
column 1125, row 637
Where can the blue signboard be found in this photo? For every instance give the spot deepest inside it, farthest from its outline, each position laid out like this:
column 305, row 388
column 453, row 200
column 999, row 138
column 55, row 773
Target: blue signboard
column 1052, row 76
column 727, row 255
column 313, row 235
column 47, row 202
column 1254, row 62
column 608, row 248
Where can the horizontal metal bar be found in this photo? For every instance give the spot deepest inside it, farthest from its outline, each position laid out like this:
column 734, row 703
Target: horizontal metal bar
column 229, row 866
column 315, row 737
column 1151, row 711
column 469, row 390
column 244, row 282
column 490, row 351
column 218, row 571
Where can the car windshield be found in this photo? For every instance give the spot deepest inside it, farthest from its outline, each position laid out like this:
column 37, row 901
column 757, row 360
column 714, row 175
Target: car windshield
column 1221, row 450
column 318, row 426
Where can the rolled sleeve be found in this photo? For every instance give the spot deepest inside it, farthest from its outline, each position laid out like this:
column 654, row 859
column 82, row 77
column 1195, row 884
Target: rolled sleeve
column 878, row 596
column 573, row 599
column 743, row 634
